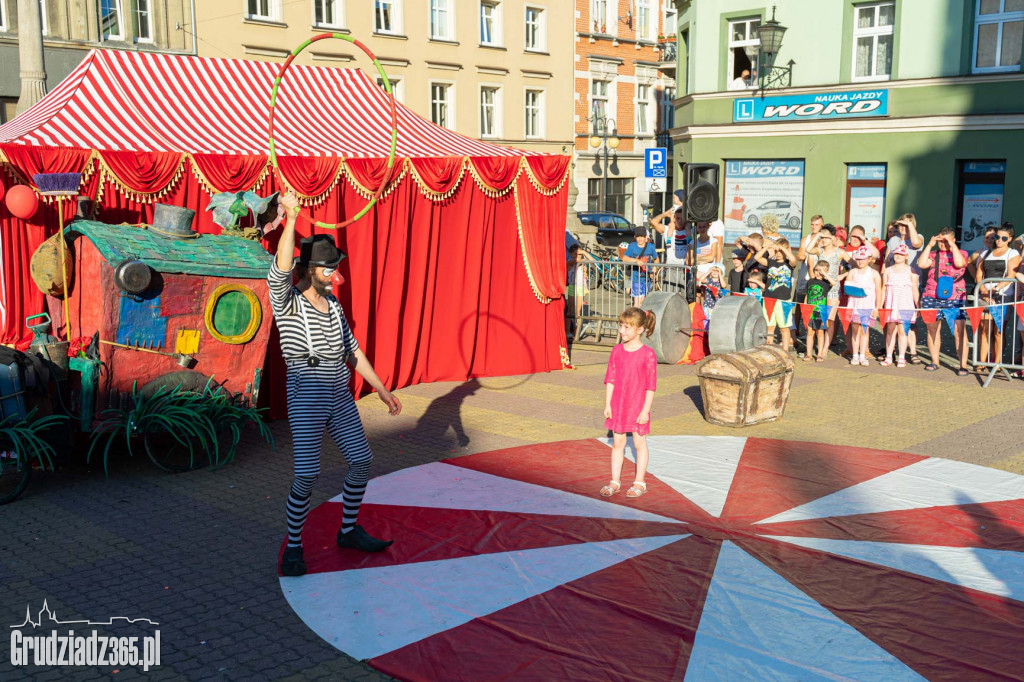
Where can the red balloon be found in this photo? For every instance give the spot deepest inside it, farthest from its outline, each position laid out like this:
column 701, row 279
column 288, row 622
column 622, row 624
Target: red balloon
column 22, row 201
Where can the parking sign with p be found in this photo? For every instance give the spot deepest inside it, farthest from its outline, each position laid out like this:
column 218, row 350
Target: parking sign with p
column 656, row 162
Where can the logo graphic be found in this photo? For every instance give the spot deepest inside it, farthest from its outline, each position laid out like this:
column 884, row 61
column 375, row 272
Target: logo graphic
column 62, row 647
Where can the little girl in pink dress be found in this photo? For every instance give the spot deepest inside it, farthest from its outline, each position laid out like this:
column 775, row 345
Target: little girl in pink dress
column 630, row 382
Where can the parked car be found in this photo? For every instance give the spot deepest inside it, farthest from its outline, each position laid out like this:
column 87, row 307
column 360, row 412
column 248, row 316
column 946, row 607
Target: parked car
column 612, row 229
column 787, row 212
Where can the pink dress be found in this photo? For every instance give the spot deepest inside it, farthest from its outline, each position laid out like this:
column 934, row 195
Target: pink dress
column 633, row 373
column 899, row 295
column 862, row 305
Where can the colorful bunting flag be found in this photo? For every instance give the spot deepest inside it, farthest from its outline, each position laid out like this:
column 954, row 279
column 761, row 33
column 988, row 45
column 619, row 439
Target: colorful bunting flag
column 769, row 305
column 806, row 312
column 825, row 311
column 845, row 315
column 1019, row 308
column 787, row 309
column 883, row 316
column 974, row 315
column 929, row 316
column 998, row 312
column 865, row 320
column 950, row 315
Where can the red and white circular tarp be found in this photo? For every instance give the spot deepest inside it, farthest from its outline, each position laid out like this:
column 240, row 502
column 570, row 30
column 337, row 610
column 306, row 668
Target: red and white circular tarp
column 747, row 559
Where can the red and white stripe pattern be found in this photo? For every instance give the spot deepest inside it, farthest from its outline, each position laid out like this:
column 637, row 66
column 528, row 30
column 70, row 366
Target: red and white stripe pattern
column 136, row 101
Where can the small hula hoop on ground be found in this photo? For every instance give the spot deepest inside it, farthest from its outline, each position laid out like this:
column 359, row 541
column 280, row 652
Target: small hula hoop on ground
column 394, row 122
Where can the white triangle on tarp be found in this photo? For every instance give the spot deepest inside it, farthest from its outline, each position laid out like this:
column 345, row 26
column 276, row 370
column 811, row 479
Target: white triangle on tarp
column 442, row 486
column 369, row 612
column 757, row 626
column 700, row 468
column 989, row 570
column 929, row 483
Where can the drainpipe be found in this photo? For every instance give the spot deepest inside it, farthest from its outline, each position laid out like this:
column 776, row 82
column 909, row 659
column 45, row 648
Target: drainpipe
column 30, row 55
column 195, row 47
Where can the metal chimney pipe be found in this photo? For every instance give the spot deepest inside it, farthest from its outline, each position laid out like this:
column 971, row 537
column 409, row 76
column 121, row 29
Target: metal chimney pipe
column 30, row 54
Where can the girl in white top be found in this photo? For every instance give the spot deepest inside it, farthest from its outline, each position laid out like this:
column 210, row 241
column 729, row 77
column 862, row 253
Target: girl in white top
column 999, row 262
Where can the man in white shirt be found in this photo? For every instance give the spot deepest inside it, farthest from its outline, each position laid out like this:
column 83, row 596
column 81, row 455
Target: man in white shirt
column 741, row 82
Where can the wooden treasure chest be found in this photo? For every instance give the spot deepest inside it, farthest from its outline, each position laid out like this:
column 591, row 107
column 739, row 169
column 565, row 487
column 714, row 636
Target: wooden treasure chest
column 746, row 387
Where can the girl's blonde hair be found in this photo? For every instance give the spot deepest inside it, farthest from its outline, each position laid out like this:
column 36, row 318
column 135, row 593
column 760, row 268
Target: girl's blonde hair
column 636, row 317
column 908, row 218
column 770, row 223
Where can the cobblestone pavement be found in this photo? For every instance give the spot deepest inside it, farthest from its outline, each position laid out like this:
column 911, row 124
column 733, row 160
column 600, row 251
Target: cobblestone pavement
column 196, row 552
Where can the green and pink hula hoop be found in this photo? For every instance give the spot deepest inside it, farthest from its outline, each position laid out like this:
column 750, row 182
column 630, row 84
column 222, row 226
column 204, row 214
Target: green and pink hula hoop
column 394, row 122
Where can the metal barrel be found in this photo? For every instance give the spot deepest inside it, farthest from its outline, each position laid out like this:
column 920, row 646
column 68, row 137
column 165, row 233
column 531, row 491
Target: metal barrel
column 672, row 330
column 737, row 323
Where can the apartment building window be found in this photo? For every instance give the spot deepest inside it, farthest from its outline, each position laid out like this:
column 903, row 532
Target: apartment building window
column 872, row 41
column 111, row 20
column 442, row 20
column 328, row 13
column 645, row 22
column 441, row 104
column 265, row 10
column 670, row 18
column 387, row 16
column 490, row 111
column 142, row 18
column 743, row 44
column 536, row 31
column 599, row 16
column 998, row 33
column 534, row 113
column 490, row 23
column 666, row 108
column 3, row 18
column 599, row 98
column 8, row 105
column 618, row 196
column 643, row 109
column 397, row 87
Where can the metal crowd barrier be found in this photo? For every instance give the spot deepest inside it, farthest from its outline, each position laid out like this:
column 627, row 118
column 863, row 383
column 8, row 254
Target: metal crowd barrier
column 990, row 347
column 608, row 292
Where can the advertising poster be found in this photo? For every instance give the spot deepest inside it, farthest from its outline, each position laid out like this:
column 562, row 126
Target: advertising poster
column 755, row 188
column 983, row 206
column 867, row 208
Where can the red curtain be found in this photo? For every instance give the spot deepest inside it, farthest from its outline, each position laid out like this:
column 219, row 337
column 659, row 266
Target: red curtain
column 370, row 173
column 149, row 172
column 32, row 160
column 496, row 171
column 309, row 175
column 543, row 224
column 435, row 290
column 230, row 173
column 439, row 174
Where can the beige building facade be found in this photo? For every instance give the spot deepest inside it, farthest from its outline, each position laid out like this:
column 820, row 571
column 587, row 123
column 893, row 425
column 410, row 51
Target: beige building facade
column 497, row 70
column 72, row 27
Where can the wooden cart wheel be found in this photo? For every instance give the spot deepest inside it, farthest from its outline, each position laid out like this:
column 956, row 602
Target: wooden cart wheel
column 14, row 476
column 168, row 454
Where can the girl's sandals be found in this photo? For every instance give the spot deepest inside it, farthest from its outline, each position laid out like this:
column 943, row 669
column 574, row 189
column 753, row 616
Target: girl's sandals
column 885, row 362
column 864, row 362
column 820, row 358
column 931, row 367
column 637, row 489
column 610, row 489
column 808, row 358
column 901, row 363
column 962, row 372
column 914, row 360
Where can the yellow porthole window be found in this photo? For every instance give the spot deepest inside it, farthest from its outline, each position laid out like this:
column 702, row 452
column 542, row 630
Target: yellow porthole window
column 233, row 314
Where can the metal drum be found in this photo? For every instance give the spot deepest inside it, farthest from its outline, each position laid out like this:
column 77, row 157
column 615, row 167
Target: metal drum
column 672, row 330
column 737, row 323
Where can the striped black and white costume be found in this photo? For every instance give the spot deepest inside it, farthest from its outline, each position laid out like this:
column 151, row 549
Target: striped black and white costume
column 318, row 397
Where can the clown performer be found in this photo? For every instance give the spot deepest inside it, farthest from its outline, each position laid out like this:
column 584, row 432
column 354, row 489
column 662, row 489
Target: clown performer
column 318, row 348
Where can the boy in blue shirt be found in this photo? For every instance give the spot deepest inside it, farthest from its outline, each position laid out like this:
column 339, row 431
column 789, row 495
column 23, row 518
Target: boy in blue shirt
column 640, row 251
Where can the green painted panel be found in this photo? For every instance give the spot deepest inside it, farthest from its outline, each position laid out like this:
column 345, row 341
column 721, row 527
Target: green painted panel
column 232, row 314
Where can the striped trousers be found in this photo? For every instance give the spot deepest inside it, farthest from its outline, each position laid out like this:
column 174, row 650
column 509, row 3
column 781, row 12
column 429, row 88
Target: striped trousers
column 319, row 398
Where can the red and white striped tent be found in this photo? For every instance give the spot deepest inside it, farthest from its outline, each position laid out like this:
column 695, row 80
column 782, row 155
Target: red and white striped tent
column 474, row 229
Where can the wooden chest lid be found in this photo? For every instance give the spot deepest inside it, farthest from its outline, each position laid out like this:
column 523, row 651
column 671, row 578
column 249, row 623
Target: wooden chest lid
column 746, row 365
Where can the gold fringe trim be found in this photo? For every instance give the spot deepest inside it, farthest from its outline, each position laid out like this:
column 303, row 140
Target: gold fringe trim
column 564, row 354
column 107, row 174
column 208, row 186
column 310, row 200
column 487, row 189
column 366, row 192
column 522, row 248
column 541, row 189
column 431, row 194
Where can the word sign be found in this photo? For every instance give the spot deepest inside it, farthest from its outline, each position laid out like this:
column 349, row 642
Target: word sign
column 827, row 105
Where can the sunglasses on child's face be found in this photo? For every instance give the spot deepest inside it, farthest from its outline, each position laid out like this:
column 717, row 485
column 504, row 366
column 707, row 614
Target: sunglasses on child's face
column 1002, row 239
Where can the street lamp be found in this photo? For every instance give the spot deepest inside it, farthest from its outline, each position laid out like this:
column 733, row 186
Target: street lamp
column 769, row 36
column 604, row 136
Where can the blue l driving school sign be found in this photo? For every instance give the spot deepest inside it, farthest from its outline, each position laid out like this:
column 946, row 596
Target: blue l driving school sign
column 812, row 106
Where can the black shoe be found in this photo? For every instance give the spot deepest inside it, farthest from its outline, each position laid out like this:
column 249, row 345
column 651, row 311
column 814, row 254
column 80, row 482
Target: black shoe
column 291, row 562
column 357, row 538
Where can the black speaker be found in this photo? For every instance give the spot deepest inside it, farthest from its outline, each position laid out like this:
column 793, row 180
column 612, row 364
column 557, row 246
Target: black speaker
column 701, row 192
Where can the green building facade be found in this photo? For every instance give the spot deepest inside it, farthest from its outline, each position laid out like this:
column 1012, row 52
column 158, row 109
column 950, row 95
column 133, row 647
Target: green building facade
column 890, row 107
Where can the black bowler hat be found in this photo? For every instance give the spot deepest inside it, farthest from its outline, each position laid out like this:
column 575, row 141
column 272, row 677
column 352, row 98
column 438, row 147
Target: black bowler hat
column 319, row 251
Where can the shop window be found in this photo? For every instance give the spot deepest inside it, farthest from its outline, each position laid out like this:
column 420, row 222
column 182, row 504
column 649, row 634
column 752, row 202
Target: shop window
column 873, row 41
column 998, row 33
column 618, row 195
column 865, row 198
column 743, row 44
column 979, row 200
column 233, row 314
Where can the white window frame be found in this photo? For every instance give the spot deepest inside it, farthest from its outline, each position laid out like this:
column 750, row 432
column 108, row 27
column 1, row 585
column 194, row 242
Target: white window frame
column 498, row 131
column 651, row 10
column 497, row 20
column 669, row 18
column 648, row 110
column 608, row 99
column 874, row 33
column 397, row 17
column 749, row 42
column 273, row 11
column 665, row 108
column 542, row 129
column 542, row 28
column 397, row 86
column 1001, row 18
column 339, row 13
column 449, row 19
column 608, row 20
column 449, row 102
column 120, row 22
column 137, row 22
